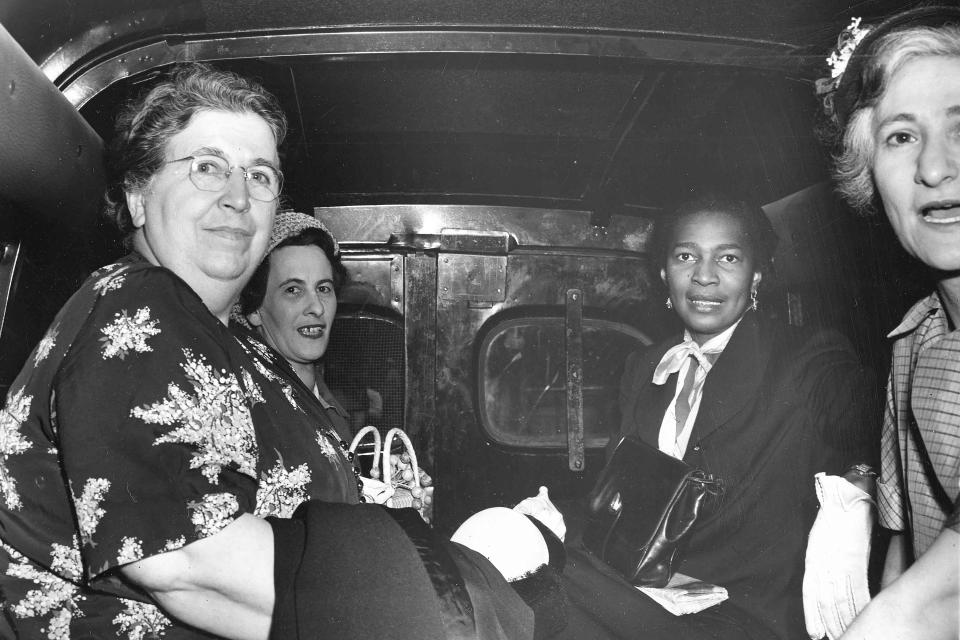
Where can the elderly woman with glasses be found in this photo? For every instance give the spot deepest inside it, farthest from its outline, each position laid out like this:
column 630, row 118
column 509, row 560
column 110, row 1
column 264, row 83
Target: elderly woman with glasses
column 138, row 453
column 152, row 466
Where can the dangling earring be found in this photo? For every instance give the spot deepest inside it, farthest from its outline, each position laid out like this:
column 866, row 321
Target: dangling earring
column 753, row 299
column 669, row 303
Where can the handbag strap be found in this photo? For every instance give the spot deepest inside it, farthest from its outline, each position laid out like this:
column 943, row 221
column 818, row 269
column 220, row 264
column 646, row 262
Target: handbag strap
column 377, row 447
column 408, row 446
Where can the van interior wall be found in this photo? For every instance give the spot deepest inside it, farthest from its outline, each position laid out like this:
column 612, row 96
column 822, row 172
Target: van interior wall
column 52, row 264
column 835, row 268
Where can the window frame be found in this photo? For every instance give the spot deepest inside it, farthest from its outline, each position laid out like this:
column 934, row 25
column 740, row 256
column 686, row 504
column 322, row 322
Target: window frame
column 495, row 328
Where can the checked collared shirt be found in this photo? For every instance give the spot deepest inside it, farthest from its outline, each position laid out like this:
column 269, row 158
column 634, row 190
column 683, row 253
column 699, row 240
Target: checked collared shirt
column 922, row 420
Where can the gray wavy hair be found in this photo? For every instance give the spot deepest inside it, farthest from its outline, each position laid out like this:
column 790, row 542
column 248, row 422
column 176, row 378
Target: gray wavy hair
column 145, row 125
column 853, row 165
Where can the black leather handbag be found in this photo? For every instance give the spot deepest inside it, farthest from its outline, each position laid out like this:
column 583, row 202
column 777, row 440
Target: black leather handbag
column 643, row 505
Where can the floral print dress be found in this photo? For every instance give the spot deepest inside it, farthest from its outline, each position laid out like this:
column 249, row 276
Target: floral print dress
column 138, row 425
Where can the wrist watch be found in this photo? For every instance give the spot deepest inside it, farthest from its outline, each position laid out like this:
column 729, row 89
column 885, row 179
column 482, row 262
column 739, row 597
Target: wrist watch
column 862, row 469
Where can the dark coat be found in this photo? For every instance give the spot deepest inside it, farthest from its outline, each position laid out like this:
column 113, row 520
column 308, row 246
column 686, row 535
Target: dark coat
column 362, row 572
column 778, row 407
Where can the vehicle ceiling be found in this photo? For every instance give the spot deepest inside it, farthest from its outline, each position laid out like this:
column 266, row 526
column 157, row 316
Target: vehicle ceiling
column 610, row 106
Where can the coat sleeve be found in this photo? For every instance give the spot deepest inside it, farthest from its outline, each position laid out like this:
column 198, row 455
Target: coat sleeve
column 629, row 387
column 364, row 571
column 846, row 397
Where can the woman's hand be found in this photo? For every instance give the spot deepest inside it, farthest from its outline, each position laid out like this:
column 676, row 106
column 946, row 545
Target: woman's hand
column 921, row 604
column 835, row 585
column 376, row 491
column 541, row 508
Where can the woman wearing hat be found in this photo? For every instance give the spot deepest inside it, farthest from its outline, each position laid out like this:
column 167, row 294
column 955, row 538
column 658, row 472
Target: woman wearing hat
column 894, row 101
column 291, row 301
column 284, row 318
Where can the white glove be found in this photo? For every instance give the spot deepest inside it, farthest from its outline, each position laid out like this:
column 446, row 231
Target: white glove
column 507, row 539
column 835, row 586
column 376, row 491
column 540, row 507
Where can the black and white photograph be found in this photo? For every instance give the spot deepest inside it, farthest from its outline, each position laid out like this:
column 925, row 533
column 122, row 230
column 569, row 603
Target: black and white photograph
column 479, row 320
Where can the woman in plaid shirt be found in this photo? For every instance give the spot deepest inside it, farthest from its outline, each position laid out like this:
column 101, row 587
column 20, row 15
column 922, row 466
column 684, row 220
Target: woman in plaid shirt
column 895, row 100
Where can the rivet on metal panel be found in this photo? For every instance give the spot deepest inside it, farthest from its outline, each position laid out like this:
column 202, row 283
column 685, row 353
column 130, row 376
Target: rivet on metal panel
column 446, row 260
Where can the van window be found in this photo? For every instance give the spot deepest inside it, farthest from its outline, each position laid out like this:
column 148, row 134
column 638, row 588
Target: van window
column 522, row 380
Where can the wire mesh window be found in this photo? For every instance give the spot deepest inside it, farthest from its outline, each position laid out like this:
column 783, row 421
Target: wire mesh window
column 364, row 368
column 521, row 373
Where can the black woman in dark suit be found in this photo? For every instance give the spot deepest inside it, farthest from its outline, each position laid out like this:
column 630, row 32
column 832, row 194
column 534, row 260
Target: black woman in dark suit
column 762, row 406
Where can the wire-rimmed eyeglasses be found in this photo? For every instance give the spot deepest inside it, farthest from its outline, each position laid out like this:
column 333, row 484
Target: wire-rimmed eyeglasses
column 210, row 173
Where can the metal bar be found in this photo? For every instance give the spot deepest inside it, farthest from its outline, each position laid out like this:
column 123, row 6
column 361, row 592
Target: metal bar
column 420, row 375
column 396, row 284
column 642, row 47
column 574, row 350
column 419, row 322
column 420, row 227
column 9, row 261
column 474, row 241
column 599, row 195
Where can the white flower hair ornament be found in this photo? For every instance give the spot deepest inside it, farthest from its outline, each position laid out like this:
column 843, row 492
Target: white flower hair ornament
column 842, row 91
column 839, row 58
column 847, row 42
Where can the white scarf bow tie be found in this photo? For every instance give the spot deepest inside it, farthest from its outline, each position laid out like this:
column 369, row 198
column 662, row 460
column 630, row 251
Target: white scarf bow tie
column 675, row 356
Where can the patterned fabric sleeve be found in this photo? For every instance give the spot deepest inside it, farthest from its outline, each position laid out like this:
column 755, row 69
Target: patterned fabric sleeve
column 890, row 483
column 154, row 424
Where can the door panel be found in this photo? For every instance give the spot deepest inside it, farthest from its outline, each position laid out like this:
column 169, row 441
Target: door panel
column 483, row 297
column 501, row 383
